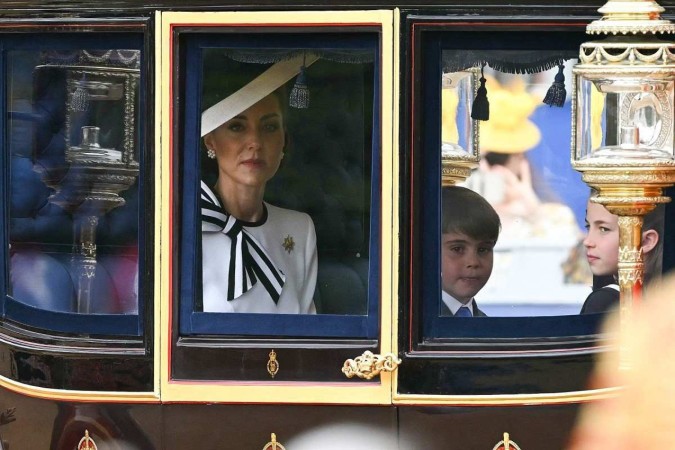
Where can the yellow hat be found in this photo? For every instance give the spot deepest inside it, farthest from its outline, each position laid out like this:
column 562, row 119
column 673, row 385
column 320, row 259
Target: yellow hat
column 509, row 129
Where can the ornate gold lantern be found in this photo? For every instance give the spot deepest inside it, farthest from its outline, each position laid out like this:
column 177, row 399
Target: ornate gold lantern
column 100, row 145
column 622, row 124
column 459, row 133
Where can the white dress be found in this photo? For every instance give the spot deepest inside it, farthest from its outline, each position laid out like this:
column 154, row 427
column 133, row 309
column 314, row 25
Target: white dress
column 289, row 240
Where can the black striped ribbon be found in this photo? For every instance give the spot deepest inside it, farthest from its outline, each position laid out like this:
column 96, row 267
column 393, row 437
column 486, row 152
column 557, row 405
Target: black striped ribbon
column 248, row 260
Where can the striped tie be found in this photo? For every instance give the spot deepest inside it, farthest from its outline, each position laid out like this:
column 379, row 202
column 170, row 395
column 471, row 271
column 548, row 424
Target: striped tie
column 248, row 261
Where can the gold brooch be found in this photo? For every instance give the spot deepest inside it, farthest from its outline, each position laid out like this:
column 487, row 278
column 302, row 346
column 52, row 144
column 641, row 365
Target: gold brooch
column 289, row 244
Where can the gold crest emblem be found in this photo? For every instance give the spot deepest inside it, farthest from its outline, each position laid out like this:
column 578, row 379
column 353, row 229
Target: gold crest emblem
column 273, row 444
column 506, row 444
column 86, row 443
column 273, row 364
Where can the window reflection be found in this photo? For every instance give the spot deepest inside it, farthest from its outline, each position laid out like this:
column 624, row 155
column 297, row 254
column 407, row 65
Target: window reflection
column 540, row 265
column 545, row 262
column 457, row 130
column 73, row 126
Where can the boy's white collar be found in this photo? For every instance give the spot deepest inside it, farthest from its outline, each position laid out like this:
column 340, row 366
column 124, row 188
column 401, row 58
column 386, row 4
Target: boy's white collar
column 453, row 304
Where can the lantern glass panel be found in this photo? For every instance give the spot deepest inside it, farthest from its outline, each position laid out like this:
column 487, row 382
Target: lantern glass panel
column 457, row 127
column 624, row 118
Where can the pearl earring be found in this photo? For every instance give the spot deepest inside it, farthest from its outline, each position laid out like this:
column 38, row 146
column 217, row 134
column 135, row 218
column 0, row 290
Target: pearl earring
column 210, row 153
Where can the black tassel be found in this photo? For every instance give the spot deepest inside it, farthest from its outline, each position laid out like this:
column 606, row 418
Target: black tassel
column 480, row 110
column 299, row 97
column 556, row 93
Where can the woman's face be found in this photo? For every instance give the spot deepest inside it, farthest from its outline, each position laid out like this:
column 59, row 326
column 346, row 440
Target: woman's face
column 249, row 146
column 602, row 241
column 515, row 164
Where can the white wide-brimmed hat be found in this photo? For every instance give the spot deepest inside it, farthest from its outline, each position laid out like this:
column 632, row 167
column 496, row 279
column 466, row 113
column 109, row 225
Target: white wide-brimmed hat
column 257, row 89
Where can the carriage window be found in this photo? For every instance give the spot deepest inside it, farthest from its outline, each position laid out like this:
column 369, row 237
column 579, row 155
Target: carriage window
column 549, row 253
column 279, row 175
column 540, row 265
column 72, row 131
column 515, row 246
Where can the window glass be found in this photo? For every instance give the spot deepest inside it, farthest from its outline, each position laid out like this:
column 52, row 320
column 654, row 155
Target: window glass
column 281, row 142
column 73, row 135
column 548, row 251
column 516, row 249
column 526, row 175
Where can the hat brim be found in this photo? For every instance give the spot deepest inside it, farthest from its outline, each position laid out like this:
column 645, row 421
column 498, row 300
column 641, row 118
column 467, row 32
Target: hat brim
column 509, row 141
column 259, row 88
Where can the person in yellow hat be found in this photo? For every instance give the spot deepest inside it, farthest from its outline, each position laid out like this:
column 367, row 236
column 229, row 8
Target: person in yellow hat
column 505, row 175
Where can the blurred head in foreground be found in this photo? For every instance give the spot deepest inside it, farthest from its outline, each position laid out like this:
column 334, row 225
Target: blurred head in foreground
column 342, row 435
column 642, row 413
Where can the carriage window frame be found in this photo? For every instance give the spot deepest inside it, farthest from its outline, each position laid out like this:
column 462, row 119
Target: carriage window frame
column 17, row 314
column 426, row 330
column 194, row 323
column 233, row 368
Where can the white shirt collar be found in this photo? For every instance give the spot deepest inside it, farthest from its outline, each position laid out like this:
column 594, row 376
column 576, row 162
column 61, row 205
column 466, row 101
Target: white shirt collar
column 453, row 304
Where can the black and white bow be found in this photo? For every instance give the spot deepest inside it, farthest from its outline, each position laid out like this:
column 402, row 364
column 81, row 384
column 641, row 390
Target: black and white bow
column 248, row 260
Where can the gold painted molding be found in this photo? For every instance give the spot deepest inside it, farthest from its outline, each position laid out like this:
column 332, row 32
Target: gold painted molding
column 506, row 399
column 74, row 396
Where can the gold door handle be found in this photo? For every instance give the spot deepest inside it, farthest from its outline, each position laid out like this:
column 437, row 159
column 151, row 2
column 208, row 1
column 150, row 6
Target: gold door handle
column 369, row 365
column 273, row 444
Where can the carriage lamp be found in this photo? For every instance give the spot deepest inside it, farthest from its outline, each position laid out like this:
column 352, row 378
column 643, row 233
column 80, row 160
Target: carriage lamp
column 100, row 145
column 459, row 133
column 622, row 124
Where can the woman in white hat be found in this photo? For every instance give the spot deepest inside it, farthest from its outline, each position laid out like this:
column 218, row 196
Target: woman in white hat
column 256, row 257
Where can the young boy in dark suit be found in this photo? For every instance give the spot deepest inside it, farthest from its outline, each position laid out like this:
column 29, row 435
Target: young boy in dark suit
column 469, row 231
